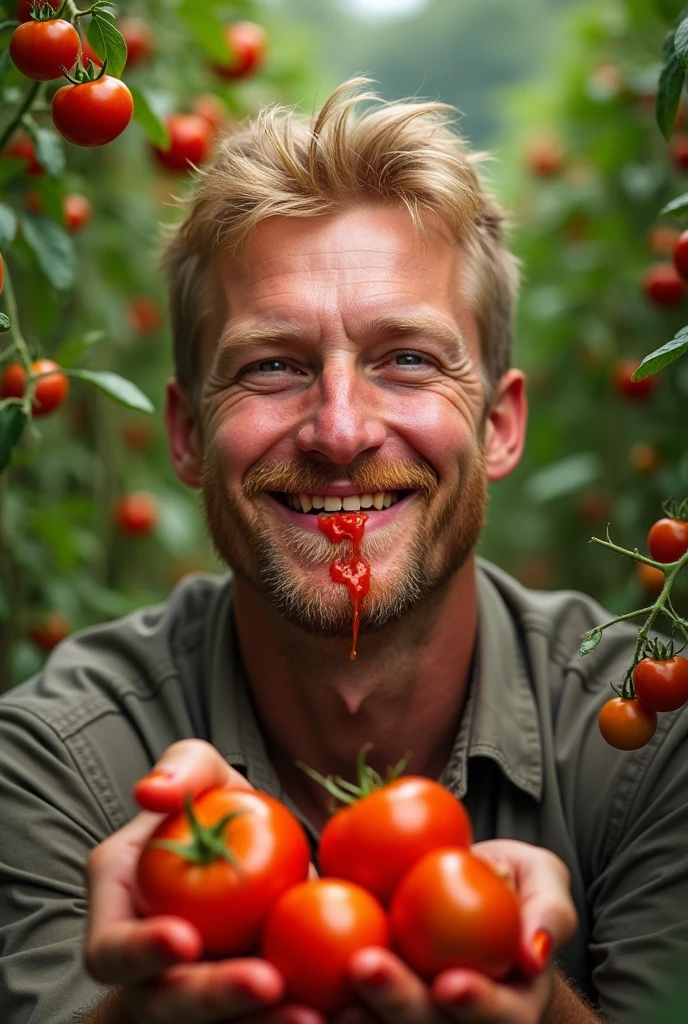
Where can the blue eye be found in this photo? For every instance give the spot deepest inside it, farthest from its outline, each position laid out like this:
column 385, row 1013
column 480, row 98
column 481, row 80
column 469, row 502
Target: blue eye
column 272, row 366
column 408, row 359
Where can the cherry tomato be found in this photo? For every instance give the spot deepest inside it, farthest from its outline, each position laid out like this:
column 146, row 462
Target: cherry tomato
column 246, row 43
column 644, row 457
column 626, row 723
column 662, row 285
column 680, row 255
column 144, row 315
column 50, row 631
column 650, row 579
column 25, row 8
column 139, row 38
column 21, row 147
column 636, row 390
column 453, row 910
column 136, row 514
column 191, row 139
column 13, row 381
column 667, row 540
column 78, row 212
column 226, row 899
column 138, row 436
column 545, row 157
column 311, row 934
column 93, row 113
column 50, row 392
column 40, row 49
column 678, row 150
column 375, row 840
column 212, row 109
column 662, row 685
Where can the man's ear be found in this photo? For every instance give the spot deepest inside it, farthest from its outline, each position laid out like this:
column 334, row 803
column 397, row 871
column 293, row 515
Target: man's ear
column 505, row 429
column 183, row 434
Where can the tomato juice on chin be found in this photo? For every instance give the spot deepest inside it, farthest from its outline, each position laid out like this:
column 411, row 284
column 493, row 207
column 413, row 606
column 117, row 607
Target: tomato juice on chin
column 354, row 573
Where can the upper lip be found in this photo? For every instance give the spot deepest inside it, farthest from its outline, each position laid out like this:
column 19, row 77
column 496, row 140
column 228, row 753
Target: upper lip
column 345, row 490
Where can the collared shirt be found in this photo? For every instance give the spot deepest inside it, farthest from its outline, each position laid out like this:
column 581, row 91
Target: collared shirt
column 528, row 761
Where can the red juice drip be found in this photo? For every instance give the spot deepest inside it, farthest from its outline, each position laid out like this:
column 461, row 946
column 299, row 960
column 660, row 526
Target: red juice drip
column 354, row 574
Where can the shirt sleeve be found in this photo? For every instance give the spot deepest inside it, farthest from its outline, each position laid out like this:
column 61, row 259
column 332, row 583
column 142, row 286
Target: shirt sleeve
column 50, row 822
column 638, row 894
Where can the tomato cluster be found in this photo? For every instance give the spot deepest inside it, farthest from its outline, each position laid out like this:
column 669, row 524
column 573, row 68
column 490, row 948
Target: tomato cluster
column 397, row 872
column 50, row 391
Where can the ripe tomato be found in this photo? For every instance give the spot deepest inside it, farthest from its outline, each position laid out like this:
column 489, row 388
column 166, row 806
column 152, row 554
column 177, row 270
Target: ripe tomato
column 644, row 457
column 50, row 631
column 13, row 381
column 662, row 285
column 93, row 113
column 191, row 139
column 212, row 109
column 51, row 391
column 39, row 49
column 78, row 212
column 636, row 390
column 25, row 7
column 662, row 685
column 21, row 147
column 246, row 43
column 544, row 157
column 667, row 540
column 626, row 723
column 375, row 840
column 453, row 910
column 650, row 579
column 662, row 239
column 139, row 38
column 678, row 150
column 136, row 514
column 249, row 850
column 311, row 934
column 144, row 315
column 680, row 255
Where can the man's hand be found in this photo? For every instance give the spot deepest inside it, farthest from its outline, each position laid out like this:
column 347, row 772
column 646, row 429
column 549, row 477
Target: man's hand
column 392, row 992
column 153, row 960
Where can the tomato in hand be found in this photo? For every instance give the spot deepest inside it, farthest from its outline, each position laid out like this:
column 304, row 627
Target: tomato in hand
column 625, row 723
column 452, row 909
column 136, row 514
column 40, row 49
column 221, row 864
column 667, row 540
column 662, row 684
column 93, row 113
column 311, row 934
column 246, row 47
column 191, row 139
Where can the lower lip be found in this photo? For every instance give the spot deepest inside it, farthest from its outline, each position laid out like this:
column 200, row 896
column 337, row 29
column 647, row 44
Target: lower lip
column 376, row 520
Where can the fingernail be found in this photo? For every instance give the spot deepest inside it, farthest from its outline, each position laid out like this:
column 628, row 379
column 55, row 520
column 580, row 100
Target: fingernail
column 377, row 978
column 541, row 947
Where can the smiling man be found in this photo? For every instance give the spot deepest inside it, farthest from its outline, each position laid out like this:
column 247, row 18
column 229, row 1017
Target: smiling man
column 342, row 303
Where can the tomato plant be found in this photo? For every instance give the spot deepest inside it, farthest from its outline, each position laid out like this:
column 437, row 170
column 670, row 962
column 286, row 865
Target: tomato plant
column 136, row 514
column 661, row 681
column 453, row 910
column 627, row 724
column 667, row 540
column 663, row 285
column 25, row 7
column 191, row 139
column 246, row 44
column 312, row 932
column 50, row 391
column 92, row 113
column 41, row 49
column 221, row 864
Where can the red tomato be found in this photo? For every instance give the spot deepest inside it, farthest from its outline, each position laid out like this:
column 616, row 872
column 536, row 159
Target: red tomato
column 375, row 840
column 636, row 390
column 662, row 285
column 191, row 139
column 662, row 685
column 626, row 723
column 139, row 38
column 136, row 514
column 246, row 43
column 143, row 314
column 680, row 255
column 678, row 150
column 212, row 109
column 40, row 49
column 545, row 157
column 13, row 381
column 50, row 392
column 453, row 910
column 650, row 579
column 258, row 850
column 78, row 212
column 25, row 7
column 93, row 113
column 50, row 631
column 21, row 147
column 644, row 457
column 667, row 540
column 311, row 934
column 662, row 239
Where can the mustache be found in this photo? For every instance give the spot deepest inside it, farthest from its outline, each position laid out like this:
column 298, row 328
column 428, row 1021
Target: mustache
column 375, row 474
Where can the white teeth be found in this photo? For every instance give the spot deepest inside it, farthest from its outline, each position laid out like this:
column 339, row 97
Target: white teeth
column 317, row 501
column 306, row 503
column 366, row 500
column 332, row 503
column 379, row 500
column 351, row 503
column 387, row 499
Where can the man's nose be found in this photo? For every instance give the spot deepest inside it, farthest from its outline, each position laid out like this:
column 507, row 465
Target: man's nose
column 343, row 421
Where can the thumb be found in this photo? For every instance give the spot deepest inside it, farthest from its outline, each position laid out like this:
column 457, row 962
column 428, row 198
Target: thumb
column 188, row 767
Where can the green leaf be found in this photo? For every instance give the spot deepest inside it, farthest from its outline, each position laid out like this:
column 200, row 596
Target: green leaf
column 122, row 390
column 676, row 206
column 590, row 643
column 12, row 423
column 564, row 477
column 8, row 225
column 681, row 43
column 72, row 349
column 671, row 79
column 49, row 149
column 661, row 357
column 107, row 41
column 149, row 120
column 4, row 322
column 52, row 247
column 206, row 28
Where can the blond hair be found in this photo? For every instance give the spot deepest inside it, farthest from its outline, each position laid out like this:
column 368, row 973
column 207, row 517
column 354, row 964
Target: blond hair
column 281, row 164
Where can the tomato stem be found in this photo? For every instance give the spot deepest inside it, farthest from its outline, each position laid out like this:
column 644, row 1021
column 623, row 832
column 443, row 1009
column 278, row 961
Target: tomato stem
column 22, row 109
column 207, row 843
column 13, row 314
column 368, row 779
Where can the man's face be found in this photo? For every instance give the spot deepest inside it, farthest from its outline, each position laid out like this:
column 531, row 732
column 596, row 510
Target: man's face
column 348, row 367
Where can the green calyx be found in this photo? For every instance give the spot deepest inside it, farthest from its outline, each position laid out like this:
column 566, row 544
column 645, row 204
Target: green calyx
column 659, row 651
column 207, row 842
column 84, row 72
column 368, row 779
column 676, row 509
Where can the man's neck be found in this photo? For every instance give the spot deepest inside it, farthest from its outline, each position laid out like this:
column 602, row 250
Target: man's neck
column 405, row 691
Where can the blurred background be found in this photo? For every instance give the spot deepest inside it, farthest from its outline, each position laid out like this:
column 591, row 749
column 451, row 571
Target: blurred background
column 561, row 92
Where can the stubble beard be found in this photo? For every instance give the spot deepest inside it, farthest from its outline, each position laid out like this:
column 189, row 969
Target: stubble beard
column 429, row 553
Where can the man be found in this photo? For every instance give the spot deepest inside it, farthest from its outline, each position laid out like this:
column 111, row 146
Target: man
column 341, row 307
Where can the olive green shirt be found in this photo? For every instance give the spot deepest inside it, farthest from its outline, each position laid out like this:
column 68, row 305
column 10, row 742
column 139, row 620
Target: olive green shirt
column 528, row 761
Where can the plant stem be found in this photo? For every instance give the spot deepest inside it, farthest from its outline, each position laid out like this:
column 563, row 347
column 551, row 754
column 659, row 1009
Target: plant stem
column 13, row 313
column 620, row 618
column 635, row 555
column 22, row 110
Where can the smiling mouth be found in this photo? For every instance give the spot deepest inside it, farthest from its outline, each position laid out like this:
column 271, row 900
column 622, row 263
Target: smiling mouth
column 315, row 504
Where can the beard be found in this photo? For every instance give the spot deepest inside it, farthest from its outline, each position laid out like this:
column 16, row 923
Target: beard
column 429, row 554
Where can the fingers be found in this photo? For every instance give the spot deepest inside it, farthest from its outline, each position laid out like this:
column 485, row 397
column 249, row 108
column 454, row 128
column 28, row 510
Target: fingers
column 290, row 1013
column 390, row 988
column 473, row 998
column 189, row 766
column 542, row 881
